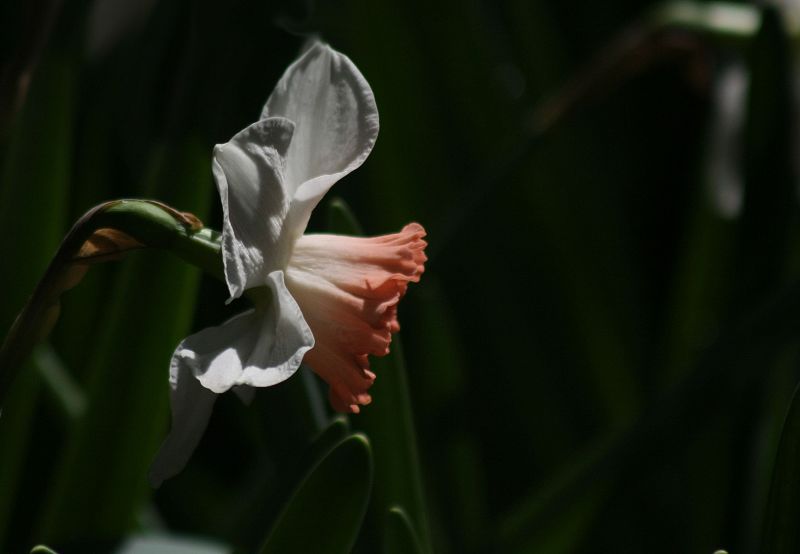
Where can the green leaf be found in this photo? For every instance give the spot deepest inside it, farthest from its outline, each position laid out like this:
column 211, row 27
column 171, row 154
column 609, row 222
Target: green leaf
column 399, row 536
column 765, row 241
column 389, row 423
column 168, row 544
column 327, row 440
column 33, row 201
column 35, row 183
column 781, row 532
column 140, row 223
column 326, row 510
column 341, row 218
column 68, row 395
column 41, row 549
column 769, row 159
column 262, row 497
column 150, row 310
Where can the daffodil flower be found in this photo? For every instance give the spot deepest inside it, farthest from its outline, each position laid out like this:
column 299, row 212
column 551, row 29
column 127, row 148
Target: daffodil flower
column 326, row 300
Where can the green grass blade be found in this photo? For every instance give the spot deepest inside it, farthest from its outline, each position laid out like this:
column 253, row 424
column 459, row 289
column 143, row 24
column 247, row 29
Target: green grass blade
column 781, row 530
column 41, row 549
column 59, row 383
column 389, row 423
column 400, row 537
column 150, row 310
column 33, row 203
column 263, row 499
column 326, row 510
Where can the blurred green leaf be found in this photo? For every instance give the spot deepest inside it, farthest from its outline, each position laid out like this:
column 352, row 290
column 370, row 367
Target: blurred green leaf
column 33, row 203
column 262, row 497
column 169, row 544
column 399, row 536
column 151, row 308
column 332, row 435
column 136, row 223
column 68, row 394
column 770, row 200
column 41, row 549
column 35, row 184
column 326, row 510
column 341, row 218
column 781, row 531
column 769, row 221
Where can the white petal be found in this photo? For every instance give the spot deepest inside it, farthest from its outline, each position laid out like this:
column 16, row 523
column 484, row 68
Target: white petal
column 249, row 171
column 258, row 348
column 191, row 408
column 336, row 124
column 284, row 338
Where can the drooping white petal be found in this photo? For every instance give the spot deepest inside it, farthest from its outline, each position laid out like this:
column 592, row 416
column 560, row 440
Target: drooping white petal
column 249, row 171
column 191, row 408
column 258, row 348
column 336, row 124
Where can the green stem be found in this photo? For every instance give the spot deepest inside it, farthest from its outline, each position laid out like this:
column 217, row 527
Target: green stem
column 148, row 223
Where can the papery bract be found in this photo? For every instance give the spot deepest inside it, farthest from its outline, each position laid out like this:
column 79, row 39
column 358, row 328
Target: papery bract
column 327, row 300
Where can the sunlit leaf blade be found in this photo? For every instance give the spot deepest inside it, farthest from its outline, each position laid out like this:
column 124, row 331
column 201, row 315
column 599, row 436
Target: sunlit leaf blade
column 326, row 510
column 389, row 423
column 170, row 544
column 399, row 535
column 332, row 435
column 151, row 307
column 59, row 383
column 781, row 529
column 41, row 549
column 33, row 203
column 266, row 502
column 341, row 218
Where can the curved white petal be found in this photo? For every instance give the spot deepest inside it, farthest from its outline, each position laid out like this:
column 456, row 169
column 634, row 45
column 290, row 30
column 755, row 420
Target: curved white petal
column 336, row 125
column 258, row 348
column 249, row 172
column 191, row 408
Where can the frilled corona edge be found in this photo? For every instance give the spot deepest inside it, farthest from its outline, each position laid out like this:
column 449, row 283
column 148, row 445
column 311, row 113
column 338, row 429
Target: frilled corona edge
column 348, row 289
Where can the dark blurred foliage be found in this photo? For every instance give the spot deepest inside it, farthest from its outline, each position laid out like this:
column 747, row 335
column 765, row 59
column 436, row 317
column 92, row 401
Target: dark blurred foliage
column 598, row 359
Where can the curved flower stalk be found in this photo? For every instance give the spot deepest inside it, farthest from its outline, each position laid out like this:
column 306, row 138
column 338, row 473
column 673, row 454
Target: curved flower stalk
column 327, row 300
